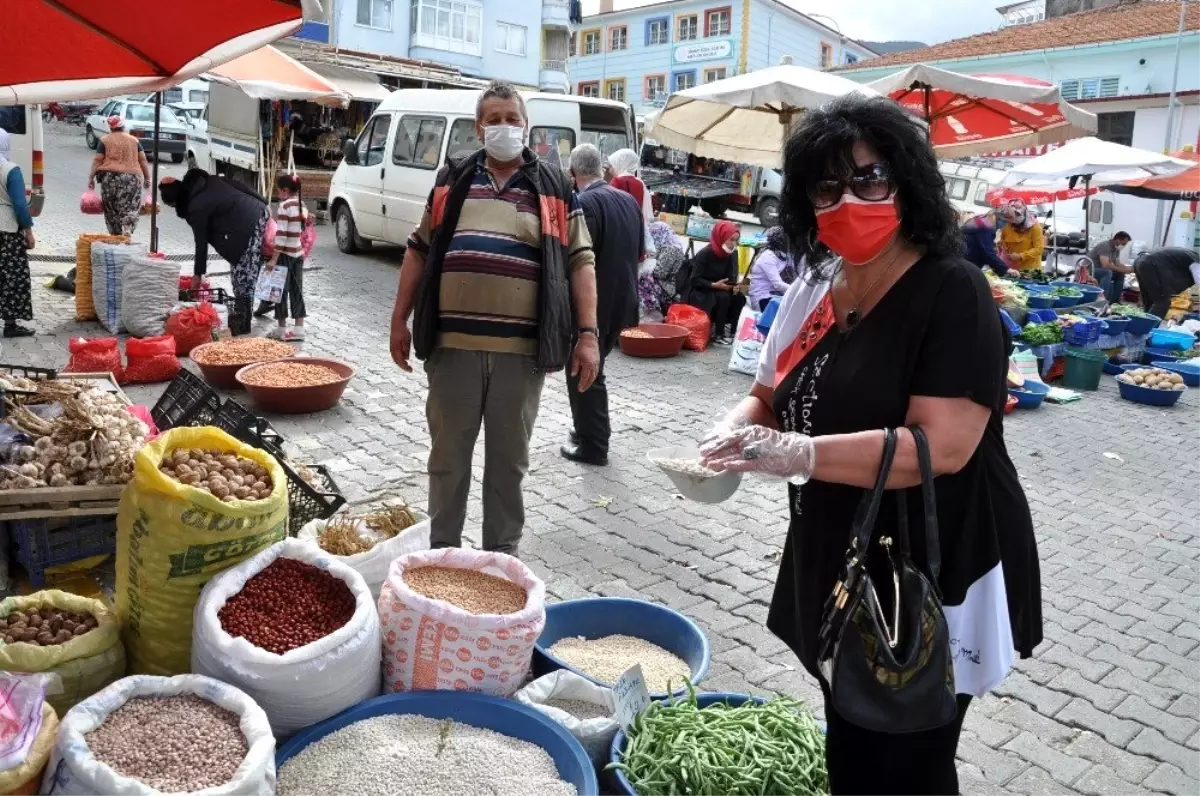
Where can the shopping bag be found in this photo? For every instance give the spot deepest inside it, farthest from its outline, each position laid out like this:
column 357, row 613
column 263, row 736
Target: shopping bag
column 268, row 243
column 90, row 203
column 695, row 320
column 270, row 284
column 747, row 345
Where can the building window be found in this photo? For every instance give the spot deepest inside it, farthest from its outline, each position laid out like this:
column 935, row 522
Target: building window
column 510, row 38
column 688, row 27
column 658, row 31
column 683, row 80
column 451, row 25
column 851, row 58
column 1090, row 88
column 615, row 89
column 1115, row 127
column 375, row 14
column 826, row 55
column 711, row 75
column 618, row 37
column 571, row 46
column 717, row 22
column 591, row 42
column 655, row 89
column 418, row 141
column 590, row 89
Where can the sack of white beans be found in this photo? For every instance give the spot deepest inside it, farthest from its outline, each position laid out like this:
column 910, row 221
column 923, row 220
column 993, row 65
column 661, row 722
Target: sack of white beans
column 75, row 768
column 476, row 634
column 583, row 708
column 373, row 564
column 305, row 684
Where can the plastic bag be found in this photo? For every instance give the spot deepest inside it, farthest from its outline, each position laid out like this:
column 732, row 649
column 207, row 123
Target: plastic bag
column 743, row 357
column 695, row 320
column 172, row 539
column 268, row 244
column 305, row 685
column 85, row 308
column 431, row 644
column 373, row 564
column 192, row 325
column 109, row 262
column 90, row 203
column 270, row 285
column 74, row 769
column 94, row 355
column 594, row 734
column 308, row 234
column 26, row 779
column 83, row 665
column 150, row 360
column 21, row 700
column 147, row 203
column 149, row 291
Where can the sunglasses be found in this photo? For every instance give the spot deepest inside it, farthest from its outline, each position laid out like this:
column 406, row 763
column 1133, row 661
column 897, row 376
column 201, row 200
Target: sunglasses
column 872, row 183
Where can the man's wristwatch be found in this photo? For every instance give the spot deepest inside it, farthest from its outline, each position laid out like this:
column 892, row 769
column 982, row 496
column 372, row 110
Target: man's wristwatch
column 593, row 331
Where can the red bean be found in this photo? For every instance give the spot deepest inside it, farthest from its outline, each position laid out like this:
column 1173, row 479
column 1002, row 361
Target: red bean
column 287, row 605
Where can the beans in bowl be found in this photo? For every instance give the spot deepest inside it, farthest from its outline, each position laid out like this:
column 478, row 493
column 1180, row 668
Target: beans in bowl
column 245, row 351
column 291, row 374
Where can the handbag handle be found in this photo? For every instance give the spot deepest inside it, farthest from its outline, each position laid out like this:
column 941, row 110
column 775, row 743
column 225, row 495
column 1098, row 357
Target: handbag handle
column 868, row 508
column 933, row 550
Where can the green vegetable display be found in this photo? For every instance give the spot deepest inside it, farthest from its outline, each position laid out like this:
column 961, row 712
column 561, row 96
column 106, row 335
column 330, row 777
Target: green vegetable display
column 1127, row 310
column 1048, row 333
column 1066, row 291
column 676, row 747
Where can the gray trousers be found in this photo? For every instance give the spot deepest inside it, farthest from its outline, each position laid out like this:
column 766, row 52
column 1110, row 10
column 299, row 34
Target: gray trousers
column 501, row 391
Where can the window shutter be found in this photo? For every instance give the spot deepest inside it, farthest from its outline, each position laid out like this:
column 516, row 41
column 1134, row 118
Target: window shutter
column 1069, row 89
column 1110, row 86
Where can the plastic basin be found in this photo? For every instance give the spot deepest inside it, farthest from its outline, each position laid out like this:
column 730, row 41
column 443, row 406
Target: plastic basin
column 1176, row 339
column 1116, row 325
column 1041, row 316
column 700, row 488
column 1150, row 354
column 299, row 400
column 596, row 617
column 1190, row 373
column 1041, row 301
column 1030, row 396
column 224, row 377
column 1149, row 395
column 506, row 716
column 1068, row 300
column 666, row 340
column 1142, row 324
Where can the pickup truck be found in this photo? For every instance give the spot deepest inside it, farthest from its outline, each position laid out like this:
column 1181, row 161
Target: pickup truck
column 683, row 179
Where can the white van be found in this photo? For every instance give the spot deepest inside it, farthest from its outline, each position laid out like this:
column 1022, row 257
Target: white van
column 23, row 123
column 380, row 189
column 967, row 185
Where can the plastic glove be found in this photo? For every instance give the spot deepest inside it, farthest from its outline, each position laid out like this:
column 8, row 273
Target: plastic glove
column 723, row 429
column 758, row 449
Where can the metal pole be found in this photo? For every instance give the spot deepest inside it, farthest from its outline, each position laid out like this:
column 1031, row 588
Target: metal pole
column 1158, row 217
column 1167, row 231
column 154, row 177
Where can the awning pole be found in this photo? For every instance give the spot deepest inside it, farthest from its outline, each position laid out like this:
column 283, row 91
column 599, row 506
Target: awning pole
column 154, row 177
column 1158, row 216
column 1167, row 227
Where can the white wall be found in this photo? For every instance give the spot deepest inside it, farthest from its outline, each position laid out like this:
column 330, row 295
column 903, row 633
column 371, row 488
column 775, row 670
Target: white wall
column 1136, row 216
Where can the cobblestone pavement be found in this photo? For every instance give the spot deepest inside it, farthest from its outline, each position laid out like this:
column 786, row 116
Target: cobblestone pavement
column 1110, row 703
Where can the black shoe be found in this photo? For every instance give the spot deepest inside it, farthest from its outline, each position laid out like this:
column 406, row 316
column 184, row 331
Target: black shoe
column 574, row 438
column 265, row 308
column 573, row 453
column 14, row 330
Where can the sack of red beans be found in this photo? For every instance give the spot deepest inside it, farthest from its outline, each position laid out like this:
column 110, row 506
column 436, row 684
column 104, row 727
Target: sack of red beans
column 150, row 360
column 295, row 629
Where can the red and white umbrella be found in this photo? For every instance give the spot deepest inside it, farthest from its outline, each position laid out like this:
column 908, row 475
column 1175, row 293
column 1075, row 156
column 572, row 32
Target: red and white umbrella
column 978, row 114
column 1036, row 196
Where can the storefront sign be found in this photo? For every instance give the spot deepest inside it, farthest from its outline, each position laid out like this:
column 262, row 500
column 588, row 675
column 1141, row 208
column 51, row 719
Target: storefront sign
column 703, row 51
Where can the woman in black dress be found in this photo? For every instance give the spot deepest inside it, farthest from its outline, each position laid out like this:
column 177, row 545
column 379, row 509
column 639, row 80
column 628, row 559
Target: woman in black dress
column 887, row 327
column 714, row 284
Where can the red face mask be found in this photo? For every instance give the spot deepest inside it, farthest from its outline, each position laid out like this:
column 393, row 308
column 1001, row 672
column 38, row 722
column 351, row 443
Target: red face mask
column 856, row 229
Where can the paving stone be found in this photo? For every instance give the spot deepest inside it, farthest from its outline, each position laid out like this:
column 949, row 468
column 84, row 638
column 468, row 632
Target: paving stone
column 1154, row 744
column 1063, row 768
column 998, row 766
column 1046, row 701
column 993, row 732
column 1169, row 779
column 1186, row 705
column 1135, row 666
column 1129, row 767
column 1037, row 782
column 1120, row 680
column 1103, row 781
column 1071, row 682
column 1177, row 728
column 1080, row 713
column 1051, row 731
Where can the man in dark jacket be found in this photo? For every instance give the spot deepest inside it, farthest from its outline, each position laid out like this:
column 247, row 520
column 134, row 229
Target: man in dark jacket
column 1163, row 274
column 614, row 222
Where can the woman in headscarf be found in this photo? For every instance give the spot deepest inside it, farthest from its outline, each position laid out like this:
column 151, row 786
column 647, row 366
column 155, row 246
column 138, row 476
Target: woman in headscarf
column 979, row 238
column 773, row 270
column 622, row 165
column 1021, row 239
column 121, row 162
column 16, row 236
column 656, row 289
column 714, row 285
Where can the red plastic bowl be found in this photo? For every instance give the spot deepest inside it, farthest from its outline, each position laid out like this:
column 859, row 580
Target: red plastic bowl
column 666, row 340
column 299, row 400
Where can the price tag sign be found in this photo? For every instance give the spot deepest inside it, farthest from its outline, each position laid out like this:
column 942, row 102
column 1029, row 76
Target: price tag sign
column 630, row 695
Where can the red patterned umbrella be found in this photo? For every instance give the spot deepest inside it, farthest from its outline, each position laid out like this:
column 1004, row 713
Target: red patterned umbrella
column 1036, row 196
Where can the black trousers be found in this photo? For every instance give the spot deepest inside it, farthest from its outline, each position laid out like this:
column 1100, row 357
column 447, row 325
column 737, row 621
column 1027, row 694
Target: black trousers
column 726, row 309
column 1155, row 298
column 589, row 410
column 867, row 762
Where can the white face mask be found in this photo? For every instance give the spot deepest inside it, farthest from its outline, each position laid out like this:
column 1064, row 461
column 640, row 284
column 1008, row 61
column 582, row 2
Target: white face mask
column 730, row 248
column 504, row 142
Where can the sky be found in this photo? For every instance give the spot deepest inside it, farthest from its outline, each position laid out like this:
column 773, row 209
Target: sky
column 929, row 21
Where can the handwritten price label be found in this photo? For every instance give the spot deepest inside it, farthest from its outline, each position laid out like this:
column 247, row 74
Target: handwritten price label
column 631, row 695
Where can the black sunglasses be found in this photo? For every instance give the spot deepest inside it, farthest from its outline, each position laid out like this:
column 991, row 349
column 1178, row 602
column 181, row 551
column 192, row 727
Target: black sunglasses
column 871, row 183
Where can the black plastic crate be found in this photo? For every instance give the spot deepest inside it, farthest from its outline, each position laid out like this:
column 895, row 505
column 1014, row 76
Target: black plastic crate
column 213, row 295
column 29, row 372
column 307, row 502
column 187, row 401
column 45, row 543
column 241, row 423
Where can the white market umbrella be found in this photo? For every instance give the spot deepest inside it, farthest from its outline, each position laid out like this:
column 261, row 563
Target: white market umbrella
column 747, row 118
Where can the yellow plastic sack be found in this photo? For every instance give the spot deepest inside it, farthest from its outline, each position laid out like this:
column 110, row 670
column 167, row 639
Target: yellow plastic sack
column 27, row 777
column 84, row 664
column 85, row 308
column 171, row 538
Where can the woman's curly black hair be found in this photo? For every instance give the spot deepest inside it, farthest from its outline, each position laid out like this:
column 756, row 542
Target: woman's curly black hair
column 822, row 145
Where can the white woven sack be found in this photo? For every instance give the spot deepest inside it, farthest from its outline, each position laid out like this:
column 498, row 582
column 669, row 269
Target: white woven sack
column 150, row 290
column 74, row 770
column 109, row 261
column 373, row 564
column 595, row 734
column 431, row 644
column 305, row 685
column 747, row 346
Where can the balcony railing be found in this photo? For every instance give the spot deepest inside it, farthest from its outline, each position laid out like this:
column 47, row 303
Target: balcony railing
column 554, row 66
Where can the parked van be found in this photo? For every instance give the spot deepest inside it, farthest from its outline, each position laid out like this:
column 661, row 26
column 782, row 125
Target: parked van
column 23, row 123
column 967, row 185
column 380, row 189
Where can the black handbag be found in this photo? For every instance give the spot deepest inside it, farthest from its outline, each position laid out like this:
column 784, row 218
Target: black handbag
column 890, row 673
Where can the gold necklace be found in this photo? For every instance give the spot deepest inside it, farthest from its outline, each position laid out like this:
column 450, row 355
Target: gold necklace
column 855, row 314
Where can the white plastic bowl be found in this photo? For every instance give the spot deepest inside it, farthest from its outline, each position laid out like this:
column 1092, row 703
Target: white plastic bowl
column 702, row 489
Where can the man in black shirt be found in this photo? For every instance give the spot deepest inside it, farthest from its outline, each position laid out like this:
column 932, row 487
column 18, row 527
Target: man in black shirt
column 1163, row 274
column 1107, row 267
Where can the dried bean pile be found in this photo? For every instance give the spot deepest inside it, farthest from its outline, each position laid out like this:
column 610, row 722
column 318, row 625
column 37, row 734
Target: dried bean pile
column 607, row 658
column 693, row 467
column 45, row 627
column 224, row 475
column 638, row 333
column 291, row 374
column 403, row 755
column 579, row 708
column 287, row 605
column 245, row 351
column 472, row 591
column 173, row 744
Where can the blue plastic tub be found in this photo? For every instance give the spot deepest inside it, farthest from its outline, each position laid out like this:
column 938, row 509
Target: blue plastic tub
column 1041, row 316
column 1039, row 301
column 1151, row 354
column 1116, row 325
column 1112, row 368
column 1033, row 287
column 506, row 716
column 1149, row 395
column 1142, row 324
column 1177, row 339
column 596, row 617
column 1190, row 373
column 1013, row 327
column 1030, row 396
column 1067, row 301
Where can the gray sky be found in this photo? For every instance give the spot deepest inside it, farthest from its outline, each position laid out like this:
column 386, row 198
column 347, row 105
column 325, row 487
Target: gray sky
column 929, row 21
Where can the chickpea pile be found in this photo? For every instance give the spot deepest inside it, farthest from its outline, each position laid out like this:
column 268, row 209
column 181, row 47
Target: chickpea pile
column 291, row 374
column 641, row 334
column 45, row 627
column 244, row 351
column 224, row 475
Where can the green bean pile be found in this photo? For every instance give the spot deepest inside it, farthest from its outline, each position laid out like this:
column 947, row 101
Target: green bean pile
column 774, row 747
